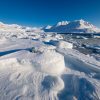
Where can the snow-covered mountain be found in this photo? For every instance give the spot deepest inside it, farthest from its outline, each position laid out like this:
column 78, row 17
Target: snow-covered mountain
column 17, row 28
column 14, row 30
column 10, row 27
column 77, row 26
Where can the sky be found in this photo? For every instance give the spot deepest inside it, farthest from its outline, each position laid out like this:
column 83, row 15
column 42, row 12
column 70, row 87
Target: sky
column 44, row 12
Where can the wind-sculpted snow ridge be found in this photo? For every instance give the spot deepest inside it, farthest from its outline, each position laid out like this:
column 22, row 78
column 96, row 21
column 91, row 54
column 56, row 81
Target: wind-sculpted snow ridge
column 45, row 67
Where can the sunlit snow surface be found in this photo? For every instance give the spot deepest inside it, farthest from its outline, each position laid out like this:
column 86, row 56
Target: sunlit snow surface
column 45, row 67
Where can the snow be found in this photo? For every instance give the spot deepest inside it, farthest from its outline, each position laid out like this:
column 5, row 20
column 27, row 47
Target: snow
column 44, row 66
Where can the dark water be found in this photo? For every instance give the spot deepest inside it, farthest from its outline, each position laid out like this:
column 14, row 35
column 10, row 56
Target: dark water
column 82, row 34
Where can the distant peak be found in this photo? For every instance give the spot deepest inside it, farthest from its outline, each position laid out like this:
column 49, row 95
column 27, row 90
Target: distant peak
column 62, row 23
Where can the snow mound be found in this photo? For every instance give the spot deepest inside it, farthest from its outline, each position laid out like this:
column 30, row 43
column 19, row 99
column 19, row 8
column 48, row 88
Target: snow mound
column 65, row 45
column 42, row 48
column 62, row 44
column 50, row 62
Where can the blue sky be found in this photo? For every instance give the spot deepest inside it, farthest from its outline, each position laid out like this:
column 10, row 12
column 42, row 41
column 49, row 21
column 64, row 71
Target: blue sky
column 43, row 12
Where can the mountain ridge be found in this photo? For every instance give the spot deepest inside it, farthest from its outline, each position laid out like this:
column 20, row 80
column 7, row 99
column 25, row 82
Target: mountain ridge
column 77, row 26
